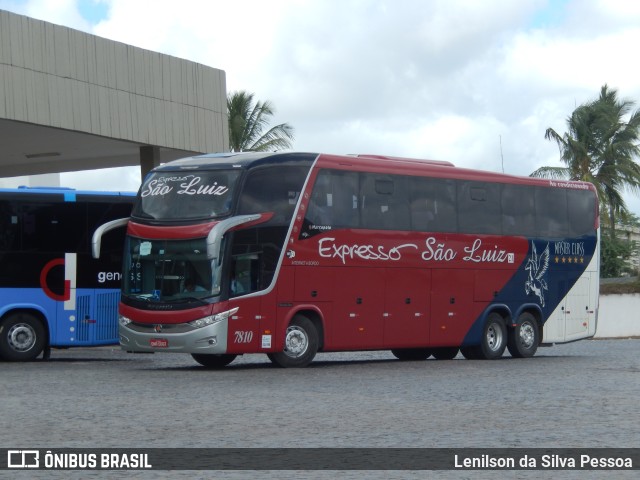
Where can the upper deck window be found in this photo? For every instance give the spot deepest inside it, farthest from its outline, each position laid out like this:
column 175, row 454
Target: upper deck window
column 274, row 189
column 184, row 196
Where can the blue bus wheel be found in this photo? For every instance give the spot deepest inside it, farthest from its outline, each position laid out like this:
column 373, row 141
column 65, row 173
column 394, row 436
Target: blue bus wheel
column 21, row 337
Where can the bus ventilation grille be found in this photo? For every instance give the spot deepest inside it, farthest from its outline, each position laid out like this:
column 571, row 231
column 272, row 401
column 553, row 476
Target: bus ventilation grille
column 107, row 316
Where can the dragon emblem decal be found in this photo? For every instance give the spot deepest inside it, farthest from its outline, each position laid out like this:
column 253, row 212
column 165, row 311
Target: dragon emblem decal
column 537, row 266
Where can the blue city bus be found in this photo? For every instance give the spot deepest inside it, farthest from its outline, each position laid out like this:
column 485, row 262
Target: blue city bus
column 53, row 294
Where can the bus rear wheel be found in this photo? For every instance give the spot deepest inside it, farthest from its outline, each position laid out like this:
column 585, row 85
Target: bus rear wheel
column 524, row 338
column 300, row 344
column 408, row 354
column 21, row 337
column 213, row 361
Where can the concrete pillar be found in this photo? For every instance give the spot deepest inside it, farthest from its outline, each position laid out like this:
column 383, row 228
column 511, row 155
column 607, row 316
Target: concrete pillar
column 149, row 158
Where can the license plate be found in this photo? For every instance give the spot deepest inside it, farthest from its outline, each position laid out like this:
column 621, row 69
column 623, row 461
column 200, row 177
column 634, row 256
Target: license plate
column 159, row 342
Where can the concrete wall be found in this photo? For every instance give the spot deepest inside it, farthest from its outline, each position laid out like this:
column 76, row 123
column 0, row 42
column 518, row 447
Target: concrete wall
column 619, row 316
column 59, row 77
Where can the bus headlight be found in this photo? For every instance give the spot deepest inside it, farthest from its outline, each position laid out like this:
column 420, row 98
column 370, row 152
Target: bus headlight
column 211, row 319
column 124, row 321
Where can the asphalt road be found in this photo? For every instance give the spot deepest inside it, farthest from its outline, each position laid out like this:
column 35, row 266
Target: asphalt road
column 582, row 395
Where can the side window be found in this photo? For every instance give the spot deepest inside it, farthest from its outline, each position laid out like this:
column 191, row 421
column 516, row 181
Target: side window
column 581, row 206
column 479, row 207
column 518, row 210
column 255, row 253
column 9, row 228
column 551, row 212
column 54, row 227
column 433, row 204
column 273, row 189
column 334, row 200
column 385, row 203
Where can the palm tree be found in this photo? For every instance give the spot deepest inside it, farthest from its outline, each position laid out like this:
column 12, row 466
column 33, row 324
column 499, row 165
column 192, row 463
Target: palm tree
column 600, row 148
column 247, row 121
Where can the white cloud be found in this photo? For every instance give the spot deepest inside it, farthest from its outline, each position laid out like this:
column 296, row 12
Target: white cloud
column 443, row 79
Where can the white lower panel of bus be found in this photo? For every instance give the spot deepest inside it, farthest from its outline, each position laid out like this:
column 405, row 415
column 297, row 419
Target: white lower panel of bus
column 576, row 317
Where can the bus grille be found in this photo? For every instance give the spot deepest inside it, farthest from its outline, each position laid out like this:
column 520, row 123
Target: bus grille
column 107, row 316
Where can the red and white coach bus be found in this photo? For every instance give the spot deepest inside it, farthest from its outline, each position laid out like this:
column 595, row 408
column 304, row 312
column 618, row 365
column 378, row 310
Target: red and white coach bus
column 291, row 254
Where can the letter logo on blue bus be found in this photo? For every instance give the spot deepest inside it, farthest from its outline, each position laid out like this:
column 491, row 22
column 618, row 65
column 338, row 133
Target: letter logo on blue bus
column 69, row 262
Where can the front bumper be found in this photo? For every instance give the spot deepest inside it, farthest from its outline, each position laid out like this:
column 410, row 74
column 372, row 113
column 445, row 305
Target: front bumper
column 211, row 339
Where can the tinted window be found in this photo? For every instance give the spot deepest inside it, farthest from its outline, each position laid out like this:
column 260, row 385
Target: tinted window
column 433, row 204
column 551, row 212
column 479, row 208
column 581, row 206
column 343, row 199
column 255, row 253
column 54, row 227
column 9, row 226
column 178, row 196
column 518, row 210
column 385, row 203
column 335, row 200
column 273, row 189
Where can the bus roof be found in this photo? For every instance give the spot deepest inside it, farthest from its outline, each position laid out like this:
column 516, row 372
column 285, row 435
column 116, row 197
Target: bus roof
column 364, row 162
column 64, row 191
column 236, row 160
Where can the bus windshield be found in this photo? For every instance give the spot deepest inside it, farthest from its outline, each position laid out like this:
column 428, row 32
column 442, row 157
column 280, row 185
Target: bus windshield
column 169, row 270
column 182, row 196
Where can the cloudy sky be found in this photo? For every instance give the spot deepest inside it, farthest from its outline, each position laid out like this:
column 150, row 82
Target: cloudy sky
column 474, row 82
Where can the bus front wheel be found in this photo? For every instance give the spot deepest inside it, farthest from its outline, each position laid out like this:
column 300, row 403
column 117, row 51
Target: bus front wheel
column 300, row 344
column 524, row 338
column 213, row 361
column 21, row 337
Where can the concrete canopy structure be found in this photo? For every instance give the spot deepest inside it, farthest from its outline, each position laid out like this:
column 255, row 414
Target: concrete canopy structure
column 72, row 101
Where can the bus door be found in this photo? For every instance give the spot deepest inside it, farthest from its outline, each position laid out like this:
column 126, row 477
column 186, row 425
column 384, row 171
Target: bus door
column 406, row 312
column 357, row 320
column 579, row 309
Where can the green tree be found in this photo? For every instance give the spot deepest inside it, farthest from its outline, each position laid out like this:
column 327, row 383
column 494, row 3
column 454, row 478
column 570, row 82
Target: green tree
column 615, row 254
column 600, row 147
column 248, row 121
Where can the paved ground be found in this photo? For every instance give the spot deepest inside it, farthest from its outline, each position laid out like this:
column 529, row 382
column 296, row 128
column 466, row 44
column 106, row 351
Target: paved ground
column 582, row 395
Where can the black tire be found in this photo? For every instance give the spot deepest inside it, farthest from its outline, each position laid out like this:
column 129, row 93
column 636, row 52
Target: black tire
column 524, row 338
column 493, row 342
column 22, row 337
column 300, row 344
column 410, row 354
column 444, row 353
column 494, row 337
column 213, row 361
column 470, row 353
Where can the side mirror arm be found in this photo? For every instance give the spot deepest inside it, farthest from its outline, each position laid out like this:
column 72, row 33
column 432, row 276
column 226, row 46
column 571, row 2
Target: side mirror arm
column 96, row 239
